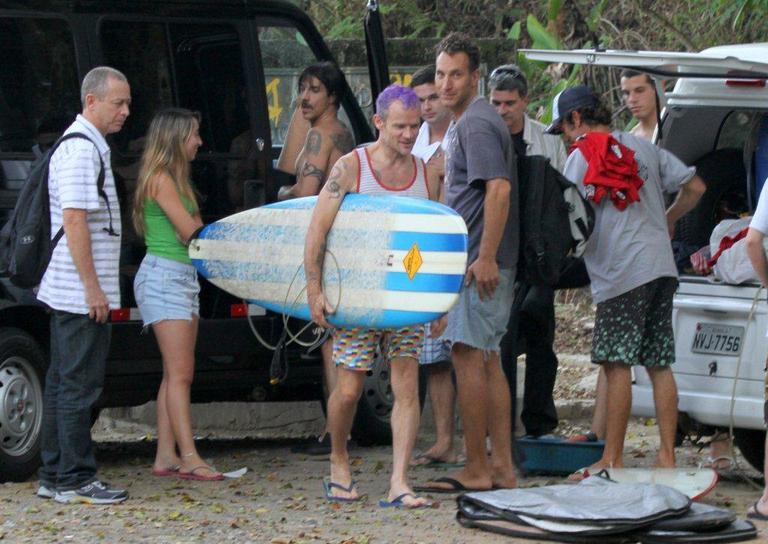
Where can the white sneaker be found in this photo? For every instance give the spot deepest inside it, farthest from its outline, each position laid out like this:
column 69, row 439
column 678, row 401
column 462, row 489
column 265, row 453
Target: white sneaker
column 45, row 492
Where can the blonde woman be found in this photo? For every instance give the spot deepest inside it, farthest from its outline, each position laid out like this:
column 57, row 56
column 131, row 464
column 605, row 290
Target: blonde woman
column 165, row 212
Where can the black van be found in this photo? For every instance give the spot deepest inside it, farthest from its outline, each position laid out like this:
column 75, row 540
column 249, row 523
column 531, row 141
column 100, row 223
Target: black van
column 234, row 61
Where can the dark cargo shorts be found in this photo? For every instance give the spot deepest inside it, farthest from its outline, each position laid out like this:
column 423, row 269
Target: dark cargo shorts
column 635, row 328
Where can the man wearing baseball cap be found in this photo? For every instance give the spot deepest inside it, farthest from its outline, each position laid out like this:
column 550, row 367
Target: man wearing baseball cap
column 628, row 257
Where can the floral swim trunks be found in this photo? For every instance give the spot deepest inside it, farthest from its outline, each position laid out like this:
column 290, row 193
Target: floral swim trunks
column 635, row 328
column 355, row 348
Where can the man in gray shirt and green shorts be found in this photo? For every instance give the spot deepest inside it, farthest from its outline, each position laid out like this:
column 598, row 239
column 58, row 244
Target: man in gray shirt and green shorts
column 629, row 259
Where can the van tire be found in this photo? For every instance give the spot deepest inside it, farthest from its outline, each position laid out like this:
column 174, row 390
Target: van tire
column 372, row 425
column 723, row 173
column 751, row 443
column 22, row 375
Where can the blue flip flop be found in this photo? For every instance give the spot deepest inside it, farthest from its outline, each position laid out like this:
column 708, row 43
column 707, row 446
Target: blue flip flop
column 328, row 487
column 397, row 502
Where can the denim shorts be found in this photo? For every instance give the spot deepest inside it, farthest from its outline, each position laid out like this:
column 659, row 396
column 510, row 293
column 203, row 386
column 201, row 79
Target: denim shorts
column 481, row 324
column 166, row 289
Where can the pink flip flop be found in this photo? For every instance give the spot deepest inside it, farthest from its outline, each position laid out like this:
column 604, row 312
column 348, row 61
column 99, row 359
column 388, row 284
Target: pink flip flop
column 171, row 471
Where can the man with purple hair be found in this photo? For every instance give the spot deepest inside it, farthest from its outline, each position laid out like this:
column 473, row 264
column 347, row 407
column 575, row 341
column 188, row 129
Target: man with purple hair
column 384, row 167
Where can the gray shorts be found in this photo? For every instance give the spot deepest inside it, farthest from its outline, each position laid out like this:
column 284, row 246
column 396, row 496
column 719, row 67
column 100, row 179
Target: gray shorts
column 479, row 323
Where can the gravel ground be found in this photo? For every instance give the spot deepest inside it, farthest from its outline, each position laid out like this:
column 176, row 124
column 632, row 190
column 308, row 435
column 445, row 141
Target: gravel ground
column 280, row 499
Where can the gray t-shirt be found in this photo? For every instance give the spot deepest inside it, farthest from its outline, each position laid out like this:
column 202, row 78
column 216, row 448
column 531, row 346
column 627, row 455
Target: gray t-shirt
column 630, row 248
column 477, row 149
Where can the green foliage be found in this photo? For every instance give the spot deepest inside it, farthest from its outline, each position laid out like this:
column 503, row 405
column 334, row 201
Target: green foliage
column 542, row 38
column 554, row 9
column 593, row 20
column 514, row 31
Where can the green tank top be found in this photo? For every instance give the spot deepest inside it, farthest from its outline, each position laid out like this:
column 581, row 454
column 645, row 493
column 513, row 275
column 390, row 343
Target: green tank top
column 160, row 234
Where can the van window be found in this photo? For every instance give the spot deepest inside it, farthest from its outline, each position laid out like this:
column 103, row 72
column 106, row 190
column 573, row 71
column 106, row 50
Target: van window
column 285, row 53
column 208, row 77
column 734, row 130
column 39, row 91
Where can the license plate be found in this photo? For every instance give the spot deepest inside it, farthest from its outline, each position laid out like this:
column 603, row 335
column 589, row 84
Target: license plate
column 717, row 339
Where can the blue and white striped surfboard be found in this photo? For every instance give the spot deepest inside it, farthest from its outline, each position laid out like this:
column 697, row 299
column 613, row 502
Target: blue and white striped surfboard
column 392, row 261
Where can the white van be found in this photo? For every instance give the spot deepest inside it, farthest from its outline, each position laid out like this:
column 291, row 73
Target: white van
column 716, row 117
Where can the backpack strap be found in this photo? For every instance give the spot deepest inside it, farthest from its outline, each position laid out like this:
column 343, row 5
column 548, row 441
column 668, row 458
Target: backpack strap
column 99, row 181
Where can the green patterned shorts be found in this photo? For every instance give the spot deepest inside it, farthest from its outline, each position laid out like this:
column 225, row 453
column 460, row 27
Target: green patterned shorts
column 635, row 328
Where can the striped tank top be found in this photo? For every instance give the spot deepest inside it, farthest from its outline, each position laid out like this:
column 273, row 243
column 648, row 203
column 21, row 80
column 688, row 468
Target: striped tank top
column 368, row 183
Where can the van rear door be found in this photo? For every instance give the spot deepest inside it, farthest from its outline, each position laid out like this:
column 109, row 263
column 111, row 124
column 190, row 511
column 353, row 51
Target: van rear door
column 708, row 64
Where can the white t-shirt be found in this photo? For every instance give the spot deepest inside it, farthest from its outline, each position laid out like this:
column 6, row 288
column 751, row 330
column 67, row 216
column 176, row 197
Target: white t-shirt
column 630, row 248
column 421, row 147
column 760, row 219
column 74, row 170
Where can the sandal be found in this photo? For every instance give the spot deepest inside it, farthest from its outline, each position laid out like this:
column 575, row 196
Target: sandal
column 192, row 474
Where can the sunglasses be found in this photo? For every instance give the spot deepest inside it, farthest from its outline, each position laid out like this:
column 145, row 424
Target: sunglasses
column 502, row 72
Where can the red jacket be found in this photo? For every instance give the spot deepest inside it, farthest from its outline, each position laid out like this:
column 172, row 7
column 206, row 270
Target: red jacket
column 611, row 169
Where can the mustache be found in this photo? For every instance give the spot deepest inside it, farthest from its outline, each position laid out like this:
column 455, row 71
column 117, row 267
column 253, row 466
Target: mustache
column 306, row 105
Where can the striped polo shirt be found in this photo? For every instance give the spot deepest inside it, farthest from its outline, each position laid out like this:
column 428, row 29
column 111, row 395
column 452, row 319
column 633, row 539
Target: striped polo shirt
column 74, row 170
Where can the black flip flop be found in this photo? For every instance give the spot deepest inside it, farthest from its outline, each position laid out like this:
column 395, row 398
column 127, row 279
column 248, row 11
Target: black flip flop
column 456, row 486
column 757, row 514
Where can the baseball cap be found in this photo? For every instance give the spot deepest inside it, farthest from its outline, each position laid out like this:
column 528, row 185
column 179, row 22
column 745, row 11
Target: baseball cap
column 568, row 100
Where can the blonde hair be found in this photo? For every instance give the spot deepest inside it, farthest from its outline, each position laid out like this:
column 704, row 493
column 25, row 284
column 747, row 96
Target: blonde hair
column 164, row 154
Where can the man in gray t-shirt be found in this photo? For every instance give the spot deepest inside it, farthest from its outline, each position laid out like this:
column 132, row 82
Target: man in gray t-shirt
column 481, row 186
column 629, row 258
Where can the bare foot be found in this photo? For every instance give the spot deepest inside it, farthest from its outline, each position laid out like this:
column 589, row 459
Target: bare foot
column 505, row 481
column 665, row 460
column 434, row 455
column 163, row 464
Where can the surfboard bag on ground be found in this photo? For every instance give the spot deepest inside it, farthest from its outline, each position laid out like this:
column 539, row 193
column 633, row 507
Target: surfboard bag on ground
column 555, row 221
column 599, row 510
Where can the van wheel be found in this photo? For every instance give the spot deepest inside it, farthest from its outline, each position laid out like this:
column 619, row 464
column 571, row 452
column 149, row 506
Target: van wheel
column 751, row 443
column 724, row 175
column 372, row 421
column 22, row 371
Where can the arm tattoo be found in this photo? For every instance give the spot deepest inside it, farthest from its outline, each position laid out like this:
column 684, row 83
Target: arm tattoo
column 310, row 170
column 334, row 189
column 343, row 141
column 333, row 186
column 314, row 142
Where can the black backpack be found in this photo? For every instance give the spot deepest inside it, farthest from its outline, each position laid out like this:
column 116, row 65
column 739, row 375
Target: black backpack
column 26, row 245
column 555, row 221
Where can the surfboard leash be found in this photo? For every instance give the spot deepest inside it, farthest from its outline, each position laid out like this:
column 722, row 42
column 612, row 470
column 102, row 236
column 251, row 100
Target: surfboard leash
column 739, row 471
column 279, row 366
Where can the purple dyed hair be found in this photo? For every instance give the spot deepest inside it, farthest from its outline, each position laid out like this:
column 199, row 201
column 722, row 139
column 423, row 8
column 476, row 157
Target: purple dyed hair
column 405, row 95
